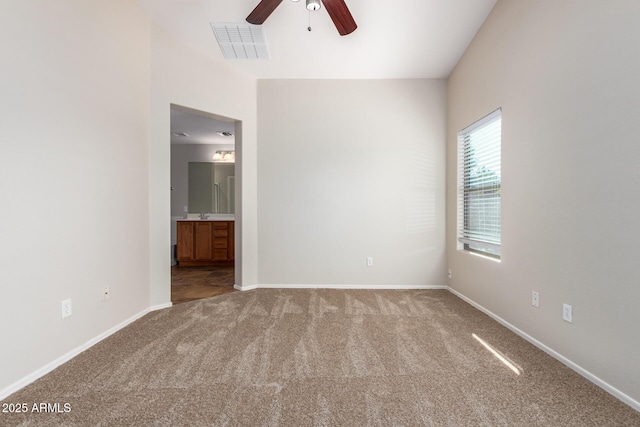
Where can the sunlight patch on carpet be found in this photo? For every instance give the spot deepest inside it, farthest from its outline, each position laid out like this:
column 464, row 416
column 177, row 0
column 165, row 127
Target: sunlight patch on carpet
column 497, row 354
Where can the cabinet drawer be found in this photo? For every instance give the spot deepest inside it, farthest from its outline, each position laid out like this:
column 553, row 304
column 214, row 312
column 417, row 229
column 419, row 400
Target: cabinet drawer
column 220, row 243
column 220, row 233
column 220, row 254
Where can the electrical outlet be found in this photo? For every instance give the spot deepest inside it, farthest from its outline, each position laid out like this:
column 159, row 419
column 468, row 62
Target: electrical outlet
column 369, row 261
column 449, row 274
column 535, row 299
column 567, row 313
column 105, row 293
column 66, row 308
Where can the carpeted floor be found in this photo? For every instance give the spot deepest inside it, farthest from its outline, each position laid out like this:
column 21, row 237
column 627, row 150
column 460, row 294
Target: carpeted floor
column 318, row 358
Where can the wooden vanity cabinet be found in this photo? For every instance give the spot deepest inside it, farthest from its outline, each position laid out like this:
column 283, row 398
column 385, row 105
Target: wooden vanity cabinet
column 205, row 242
column 185, row 250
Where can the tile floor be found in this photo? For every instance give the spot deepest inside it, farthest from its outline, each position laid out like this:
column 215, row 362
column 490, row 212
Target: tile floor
column 192, row 283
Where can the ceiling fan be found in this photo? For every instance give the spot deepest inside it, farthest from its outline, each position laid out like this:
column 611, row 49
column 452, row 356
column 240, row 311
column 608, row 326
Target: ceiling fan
column 337, row 10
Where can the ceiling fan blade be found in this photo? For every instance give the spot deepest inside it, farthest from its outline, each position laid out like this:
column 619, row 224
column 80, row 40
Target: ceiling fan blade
column 262, row 11
column 340, row 15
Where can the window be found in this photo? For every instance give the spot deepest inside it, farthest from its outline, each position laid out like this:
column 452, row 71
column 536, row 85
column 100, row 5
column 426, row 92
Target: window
column 479, row 181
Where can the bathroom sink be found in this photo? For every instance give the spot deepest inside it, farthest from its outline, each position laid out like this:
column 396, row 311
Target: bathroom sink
column 210, row 217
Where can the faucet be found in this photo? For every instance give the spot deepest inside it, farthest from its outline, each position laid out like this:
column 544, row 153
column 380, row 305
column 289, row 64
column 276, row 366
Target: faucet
column 203, row 215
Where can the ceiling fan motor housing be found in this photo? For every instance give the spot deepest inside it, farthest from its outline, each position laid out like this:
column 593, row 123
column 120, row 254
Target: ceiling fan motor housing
column 313, row 5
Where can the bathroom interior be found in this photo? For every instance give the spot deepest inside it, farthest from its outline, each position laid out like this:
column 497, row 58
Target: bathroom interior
column 202, row 204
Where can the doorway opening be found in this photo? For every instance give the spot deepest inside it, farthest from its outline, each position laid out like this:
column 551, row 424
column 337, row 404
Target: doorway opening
column 204, row 204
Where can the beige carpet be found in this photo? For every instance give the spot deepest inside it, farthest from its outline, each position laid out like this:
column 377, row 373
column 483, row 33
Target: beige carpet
column 318, row 358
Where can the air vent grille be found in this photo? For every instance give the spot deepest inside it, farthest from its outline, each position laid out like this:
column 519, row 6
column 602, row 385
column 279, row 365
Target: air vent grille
column 241, row 40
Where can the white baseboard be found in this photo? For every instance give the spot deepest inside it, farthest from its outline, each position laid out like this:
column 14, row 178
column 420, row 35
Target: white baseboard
column 343, row 286
column 580, row 370
column 4, row 393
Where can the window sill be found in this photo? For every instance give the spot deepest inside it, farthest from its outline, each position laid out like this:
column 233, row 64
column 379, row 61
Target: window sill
column 479, row 255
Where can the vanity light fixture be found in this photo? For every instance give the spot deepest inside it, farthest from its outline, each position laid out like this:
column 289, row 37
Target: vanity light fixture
column 224, row 157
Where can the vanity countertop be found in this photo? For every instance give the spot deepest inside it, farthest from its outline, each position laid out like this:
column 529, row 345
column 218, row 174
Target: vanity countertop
column 211, row 217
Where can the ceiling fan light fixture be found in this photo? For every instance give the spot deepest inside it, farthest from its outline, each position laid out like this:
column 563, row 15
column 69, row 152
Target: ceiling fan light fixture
column 313, row 5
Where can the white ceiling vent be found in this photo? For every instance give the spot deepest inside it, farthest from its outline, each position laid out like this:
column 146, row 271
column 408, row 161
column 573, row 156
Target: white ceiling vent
column 240, row 40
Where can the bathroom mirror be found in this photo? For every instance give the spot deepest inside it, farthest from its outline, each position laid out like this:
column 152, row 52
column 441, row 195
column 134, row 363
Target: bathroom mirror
column 211, row 187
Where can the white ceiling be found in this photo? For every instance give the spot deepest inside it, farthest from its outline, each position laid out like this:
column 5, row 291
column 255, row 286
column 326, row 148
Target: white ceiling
column 201, row 128
column 394, row 39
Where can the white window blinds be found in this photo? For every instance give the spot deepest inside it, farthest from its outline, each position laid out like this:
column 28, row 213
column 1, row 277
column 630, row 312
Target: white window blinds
column 479, row 180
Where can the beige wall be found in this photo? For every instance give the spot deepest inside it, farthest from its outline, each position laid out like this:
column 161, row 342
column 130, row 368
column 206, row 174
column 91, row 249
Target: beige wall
column 350, row 169
column 182, row 76
column 85, row 171
column 74, row 159
column 566, row 75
